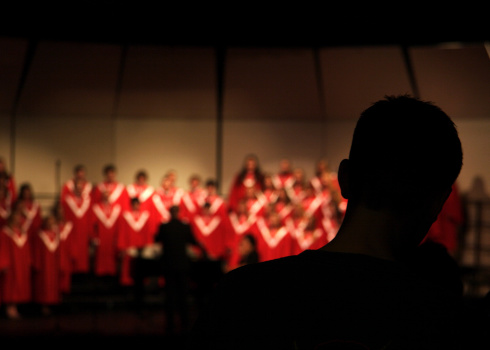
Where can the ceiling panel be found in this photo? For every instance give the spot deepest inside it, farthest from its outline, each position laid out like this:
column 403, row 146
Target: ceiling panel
column 168, row 82
column 272, row 84
column 71, row 79
column 12, row 57
column 456, row 77
column 355, row 77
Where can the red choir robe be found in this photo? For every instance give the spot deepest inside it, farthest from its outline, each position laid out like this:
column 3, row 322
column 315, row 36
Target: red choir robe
column 32, row 213
column 116, row 191
column 296, row 225
column 15, row 266
column 144, row 194
column 296, row 193
column 256, row 206
column 312, row 206
column 47, row 267
column 77, row 210
column 326, row 180
column 11, row 189
column 270, row 194
column 217, row 205
column 331, row 226
column 5, row 208
column 283, row 180
column 272, row 242
column 337, row 200
column 163, row 200
column 134, row 233
column 305, row 237
column 210, row 231
column 191, row 204
column 328, row 186
column 316, row 182
column 106, row 223
column 65, row 229
column 69, row 188
column 285, row 210
column 330, row 210
column 445, row 230
column 239, row 186
column 238, row 226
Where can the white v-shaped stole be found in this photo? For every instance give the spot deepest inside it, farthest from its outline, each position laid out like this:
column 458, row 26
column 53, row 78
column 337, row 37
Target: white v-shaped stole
column 19, row 240
column 107, row 221
column 52, row 245
column 136, row 224
column 208, row 228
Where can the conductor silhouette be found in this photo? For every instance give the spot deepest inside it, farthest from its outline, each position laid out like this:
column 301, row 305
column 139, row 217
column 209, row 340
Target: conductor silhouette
column 175, row 238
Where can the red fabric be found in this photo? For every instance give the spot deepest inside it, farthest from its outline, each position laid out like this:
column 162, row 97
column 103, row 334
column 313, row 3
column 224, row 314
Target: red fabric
column 217, row 205
column 296, row 193
column 162, row 201
column 15, row 266
column 134, row 232
column 305, row 237
column 116, row 191
column 238, row 225
column 32, row 213
column 144, row 194
column 446, row 228
column 272, row 243
column 210, row 231
column 77, row 210
column 65, row 229
column 47, row 267
column 106, row 223
column 331, row 227
column 191, row 204
column 238, row 188
column 256, row 206
column 11, row 189
column 283, row 180
column 69, row 188
column 285, row 210
column 312, row 206
column 5, row 209
column 270, row 194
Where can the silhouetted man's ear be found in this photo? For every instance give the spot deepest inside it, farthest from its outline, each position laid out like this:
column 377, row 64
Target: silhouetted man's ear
column 343, row 177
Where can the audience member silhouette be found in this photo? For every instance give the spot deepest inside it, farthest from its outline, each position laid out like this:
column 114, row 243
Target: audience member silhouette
column 366, row 289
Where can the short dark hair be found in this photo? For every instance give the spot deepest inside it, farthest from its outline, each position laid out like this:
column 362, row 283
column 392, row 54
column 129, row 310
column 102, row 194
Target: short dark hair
column 78, row 167
column 108, row 168
column 211, row 182
column 403, row 148
column 174, row 211
column 23, row 188
column 250, row 237
column 141, row 173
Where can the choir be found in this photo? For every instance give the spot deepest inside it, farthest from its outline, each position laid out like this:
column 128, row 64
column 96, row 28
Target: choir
column 99, row 228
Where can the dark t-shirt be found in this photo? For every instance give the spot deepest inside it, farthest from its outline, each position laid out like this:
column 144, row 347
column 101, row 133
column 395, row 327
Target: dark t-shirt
column 318, row 298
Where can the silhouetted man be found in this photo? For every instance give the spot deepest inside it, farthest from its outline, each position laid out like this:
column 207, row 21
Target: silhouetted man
column 365, row 289
column 176, row 238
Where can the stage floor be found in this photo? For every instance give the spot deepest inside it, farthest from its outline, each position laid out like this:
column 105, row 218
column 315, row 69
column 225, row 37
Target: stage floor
column 86, row 319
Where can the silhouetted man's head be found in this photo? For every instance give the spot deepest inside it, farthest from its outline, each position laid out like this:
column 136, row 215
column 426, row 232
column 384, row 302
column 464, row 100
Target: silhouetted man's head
column 404, row 153
column 174, row 211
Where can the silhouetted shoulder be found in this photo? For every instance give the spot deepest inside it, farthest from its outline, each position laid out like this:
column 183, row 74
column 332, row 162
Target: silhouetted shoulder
column 308, row 299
